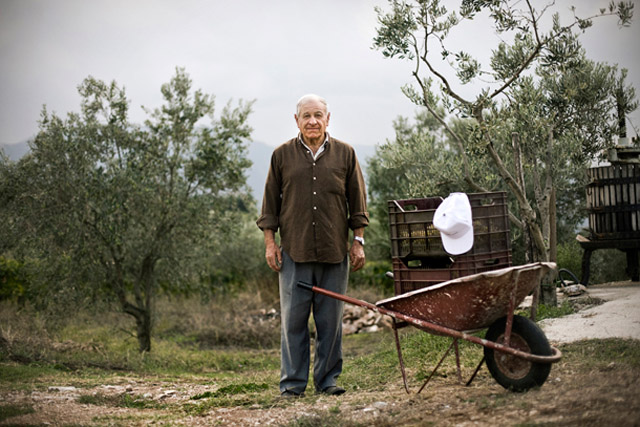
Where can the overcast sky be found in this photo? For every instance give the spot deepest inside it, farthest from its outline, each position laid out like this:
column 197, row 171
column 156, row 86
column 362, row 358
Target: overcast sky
column 271, row 51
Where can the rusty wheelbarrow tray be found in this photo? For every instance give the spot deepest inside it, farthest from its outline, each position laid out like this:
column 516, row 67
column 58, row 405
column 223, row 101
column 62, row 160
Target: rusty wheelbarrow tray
column 458, row 307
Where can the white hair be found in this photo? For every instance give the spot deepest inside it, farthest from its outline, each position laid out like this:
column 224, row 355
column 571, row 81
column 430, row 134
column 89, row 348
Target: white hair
column 311, row 97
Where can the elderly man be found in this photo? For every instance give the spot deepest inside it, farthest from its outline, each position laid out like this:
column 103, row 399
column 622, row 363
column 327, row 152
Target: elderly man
column 313, row 195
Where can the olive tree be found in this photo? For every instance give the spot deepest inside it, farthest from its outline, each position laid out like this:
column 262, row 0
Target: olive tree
column 528, row 100
column 123, row 211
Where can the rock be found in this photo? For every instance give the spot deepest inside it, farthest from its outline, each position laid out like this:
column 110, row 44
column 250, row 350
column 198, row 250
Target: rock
column 63, row 389
column 167, row 393
column 574, row 290
column 349, row 328
column 115, row 388
column 358, row 319
column 380, row 405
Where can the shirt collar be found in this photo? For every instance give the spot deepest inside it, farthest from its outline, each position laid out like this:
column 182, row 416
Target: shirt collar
column 320, row 150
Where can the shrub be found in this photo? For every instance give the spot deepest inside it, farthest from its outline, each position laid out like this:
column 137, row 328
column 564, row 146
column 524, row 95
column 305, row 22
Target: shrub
column 605, row 263
column 13, row 279
column 373, row 275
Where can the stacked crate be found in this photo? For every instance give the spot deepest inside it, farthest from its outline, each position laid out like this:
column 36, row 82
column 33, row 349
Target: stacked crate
column 419, row 258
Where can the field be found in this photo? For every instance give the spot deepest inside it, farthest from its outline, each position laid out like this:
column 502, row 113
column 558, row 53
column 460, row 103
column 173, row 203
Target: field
column 88, row 373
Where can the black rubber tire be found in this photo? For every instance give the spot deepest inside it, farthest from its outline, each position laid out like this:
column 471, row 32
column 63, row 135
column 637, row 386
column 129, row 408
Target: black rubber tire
column 573, row 276
column 515, row 373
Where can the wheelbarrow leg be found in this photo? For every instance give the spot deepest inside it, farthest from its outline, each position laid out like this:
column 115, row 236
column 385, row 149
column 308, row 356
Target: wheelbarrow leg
column 512, row 308
column 455, row 344
column 446, row 353
column 475, row 372
column 534, row 303
column 401, row 362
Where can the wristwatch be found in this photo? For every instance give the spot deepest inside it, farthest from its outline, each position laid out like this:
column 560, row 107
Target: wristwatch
column 359, row 239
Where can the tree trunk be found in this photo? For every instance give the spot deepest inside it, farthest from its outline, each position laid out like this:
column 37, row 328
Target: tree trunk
column 528, row 215
column 526, row 211
column 517, row 161
column 143, row 327
column 142, row 317
column 553, row 232
column 140, row 312
column 548, row 295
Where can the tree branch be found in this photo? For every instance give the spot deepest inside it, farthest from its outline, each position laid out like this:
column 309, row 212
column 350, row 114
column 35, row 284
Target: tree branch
column 525, row 208
column 528, row 61
column 456, row 138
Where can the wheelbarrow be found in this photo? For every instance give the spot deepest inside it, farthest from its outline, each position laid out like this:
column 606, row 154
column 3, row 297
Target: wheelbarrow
column 516, row 351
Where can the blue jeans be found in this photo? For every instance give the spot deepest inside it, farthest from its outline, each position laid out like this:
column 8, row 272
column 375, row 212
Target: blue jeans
column 295, row 307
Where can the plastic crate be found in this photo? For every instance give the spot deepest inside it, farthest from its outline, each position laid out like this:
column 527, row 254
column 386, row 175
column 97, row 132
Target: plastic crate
column 410, row 277
column 411, row 228
column 419, row 259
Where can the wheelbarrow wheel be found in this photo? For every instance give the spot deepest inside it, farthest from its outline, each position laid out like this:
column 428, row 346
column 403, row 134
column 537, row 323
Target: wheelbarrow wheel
column 512, row 372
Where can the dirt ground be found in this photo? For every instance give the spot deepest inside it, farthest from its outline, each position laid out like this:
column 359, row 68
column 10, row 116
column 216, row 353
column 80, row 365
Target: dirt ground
column 596, row 398
column 577, row 392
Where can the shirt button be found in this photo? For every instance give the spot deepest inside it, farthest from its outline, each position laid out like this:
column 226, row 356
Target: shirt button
column 314, row 208
column 314, row 163
column 314, row 178
column 314, row 193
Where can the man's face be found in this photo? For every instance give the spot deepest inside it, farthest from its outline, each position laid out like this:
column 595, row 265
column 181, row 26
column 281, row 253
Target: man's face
column 312, row 121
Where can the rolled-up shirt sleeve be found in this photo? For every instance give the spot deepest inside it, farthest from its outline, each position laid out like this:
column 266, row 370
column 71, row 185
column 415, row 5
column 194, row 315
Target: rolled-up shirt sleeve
column 357, row 196
column 271, row 201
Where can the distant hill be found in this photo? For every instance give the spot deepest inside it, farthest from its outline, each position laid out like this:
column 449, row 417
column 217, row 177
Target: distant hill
column 259, row 154
column 15, row 151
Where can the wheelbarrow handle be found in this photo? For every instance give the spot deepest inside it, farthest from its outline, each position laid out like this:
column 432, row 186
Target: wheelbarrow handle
column 338, row 296
column 305, row 285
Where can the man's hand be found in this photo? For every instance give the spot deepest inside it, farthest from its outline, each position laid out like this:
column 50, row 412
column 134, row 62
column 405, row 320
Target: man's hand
column 272, row 251
column 274, row 257
column 356, row 256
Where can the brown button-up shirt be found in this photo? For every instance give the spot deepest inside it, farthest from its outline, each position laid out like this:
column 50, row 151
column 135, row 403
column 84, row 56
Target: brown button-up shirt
column 313, row 203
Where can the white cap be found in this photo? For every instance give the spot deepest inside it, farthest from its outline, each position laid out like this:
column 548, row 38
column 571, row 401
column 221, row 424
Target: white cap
column 453, row 220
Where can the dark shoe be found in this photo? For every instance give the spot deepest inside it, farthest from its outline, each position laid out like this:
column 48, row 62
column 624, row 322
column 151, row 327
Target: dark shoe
column 288, row 394
column 333, row 390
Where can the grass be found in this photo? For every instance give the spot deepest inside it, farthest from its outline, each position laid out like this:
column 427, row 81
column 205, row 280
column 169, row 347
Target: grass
column 549, row 312
column 9, row 411
column 593, row 353
column 88, row 352
column 233, row 389
column 421, row 351
column 91, row 350
column 323, row 419
column 121, row 400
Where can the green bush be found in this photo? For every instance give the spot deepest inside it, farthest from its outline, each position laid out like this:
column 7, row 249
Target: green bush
column 373, row 275
column 13, row 279
column 605, row 264
column 570, row 257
